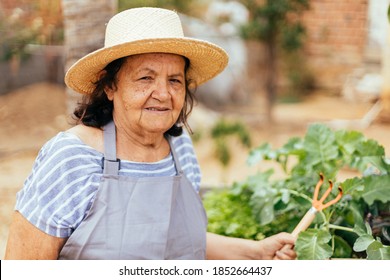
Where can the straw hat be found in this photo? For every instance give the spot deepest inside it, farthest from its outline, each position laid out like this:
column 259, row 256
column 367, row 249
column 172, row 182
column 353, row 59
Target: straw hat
column 146, row 30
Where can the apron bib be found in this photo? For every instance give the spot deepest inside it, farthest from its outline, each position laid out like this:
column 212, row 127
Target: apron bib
column 140, row 218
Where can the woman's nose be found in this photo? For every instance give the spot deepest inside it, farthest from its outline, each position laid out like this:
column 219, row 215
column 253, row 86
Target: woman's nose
column 161, row 90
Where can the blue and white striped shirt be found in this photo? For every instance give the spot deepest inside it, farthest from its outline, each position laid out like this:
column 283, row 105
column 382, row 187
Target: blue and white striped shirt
column 59, row 192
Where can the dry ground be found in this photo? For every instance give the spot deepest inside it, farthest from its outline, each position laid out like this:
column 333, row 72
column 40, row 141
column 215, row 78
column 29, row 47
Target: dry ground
column 32, row 115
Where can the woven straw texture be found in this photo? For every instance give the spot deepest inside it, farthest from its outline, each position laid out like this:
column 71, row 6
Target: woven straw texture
column 147, row 30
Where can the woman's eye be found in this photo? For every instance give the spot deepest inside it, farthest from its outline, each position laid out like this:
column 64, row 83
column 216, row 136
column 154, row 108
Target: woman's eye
column 176, row 81
column 146, row 78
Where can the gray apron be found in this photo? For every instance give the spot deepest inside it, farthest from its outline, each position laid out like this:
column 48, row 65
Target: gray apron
column 140, row 218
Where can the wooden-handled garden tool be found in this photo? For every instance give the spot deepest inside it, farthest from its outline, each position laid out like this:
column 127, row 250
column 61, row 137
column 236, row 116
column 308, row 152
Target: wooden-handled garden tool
column 317, row 206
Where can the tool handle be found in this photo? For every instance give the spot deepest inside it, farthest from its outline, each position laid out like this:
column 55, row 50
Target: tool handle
column 305, row 221
column 303, row 224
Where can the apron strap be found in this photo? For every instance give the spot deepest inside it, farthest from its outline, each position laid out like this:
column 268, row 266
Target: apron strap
column 179, row 170
column 111, row 163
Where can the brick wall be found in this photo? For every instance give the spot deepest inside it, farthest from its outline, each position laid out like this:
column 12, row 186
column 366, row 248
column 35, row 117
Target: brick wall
column 336, row 39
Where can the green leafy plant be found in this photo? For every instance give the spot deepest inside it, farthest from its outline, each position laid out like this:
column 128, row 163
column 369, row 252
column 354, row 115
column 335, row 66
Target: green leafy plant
column 358, row 226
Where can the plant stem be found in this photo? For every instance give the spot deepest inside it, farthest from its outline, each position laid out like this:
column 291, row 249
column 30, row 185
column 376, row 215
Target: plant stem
column 301, row 195
column 340, row 227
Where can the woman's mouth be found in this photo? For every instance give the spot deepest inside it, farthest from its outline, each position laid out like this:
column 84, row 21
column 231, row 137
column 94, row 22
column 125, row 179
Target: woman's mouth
column 157, row 109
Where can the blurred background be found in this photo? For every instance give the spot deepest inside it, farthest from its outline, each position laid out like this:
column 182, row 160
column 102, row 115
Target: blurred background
column 292, row 63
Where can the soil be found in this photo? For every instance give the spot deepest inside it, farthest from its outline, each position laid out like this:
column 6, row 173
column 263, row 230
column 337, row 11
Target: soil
column 33, row 114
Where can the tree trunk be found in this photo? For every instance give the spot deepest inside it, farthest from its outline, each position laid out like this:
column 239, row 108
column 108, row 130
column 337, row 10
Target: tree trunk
column 271, row 78
column 84, row 24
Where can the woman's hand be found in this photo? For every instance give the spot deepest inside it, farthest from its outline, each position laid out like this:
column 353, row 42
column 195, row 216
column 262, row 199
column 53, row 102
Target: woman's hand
column 276, row 247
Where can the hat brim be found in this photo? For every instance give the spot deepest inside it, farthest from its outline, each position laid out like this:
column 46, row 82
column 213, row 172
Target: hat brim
column 206, row 60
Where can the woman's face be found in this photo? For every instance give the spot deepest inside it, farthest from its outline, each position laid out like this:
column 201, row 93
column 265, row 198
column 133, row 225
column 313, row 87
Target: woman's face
column 150, row 92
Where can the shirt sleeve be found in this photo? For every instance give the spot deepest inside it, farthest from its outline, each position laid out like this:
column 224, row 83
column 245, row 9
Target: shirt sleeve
column 187, row 157
column 60, row 189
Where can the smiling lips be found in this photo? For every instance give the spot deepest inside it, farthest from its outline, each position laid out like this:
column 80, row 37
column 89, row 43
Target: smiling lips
column 157, row 109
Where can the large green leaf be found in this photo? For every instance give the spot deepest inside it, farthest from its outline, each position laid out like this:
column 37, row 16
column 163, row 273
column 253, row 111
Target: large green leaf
column 371, row 188
column 348, row 140
column 358, row 220
column 262, row 195
column 369, row 152
column 370, row 148
column 378, row 251
column 320, row 145
column 312, row 244
column 376, row 188
column 262, row 203
column 355, row 218
column 362, row 243
column 353, row 186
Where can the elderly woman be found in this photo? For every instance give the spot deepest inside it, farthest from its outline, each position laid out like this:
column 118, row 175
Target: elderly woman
column 123, row 183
